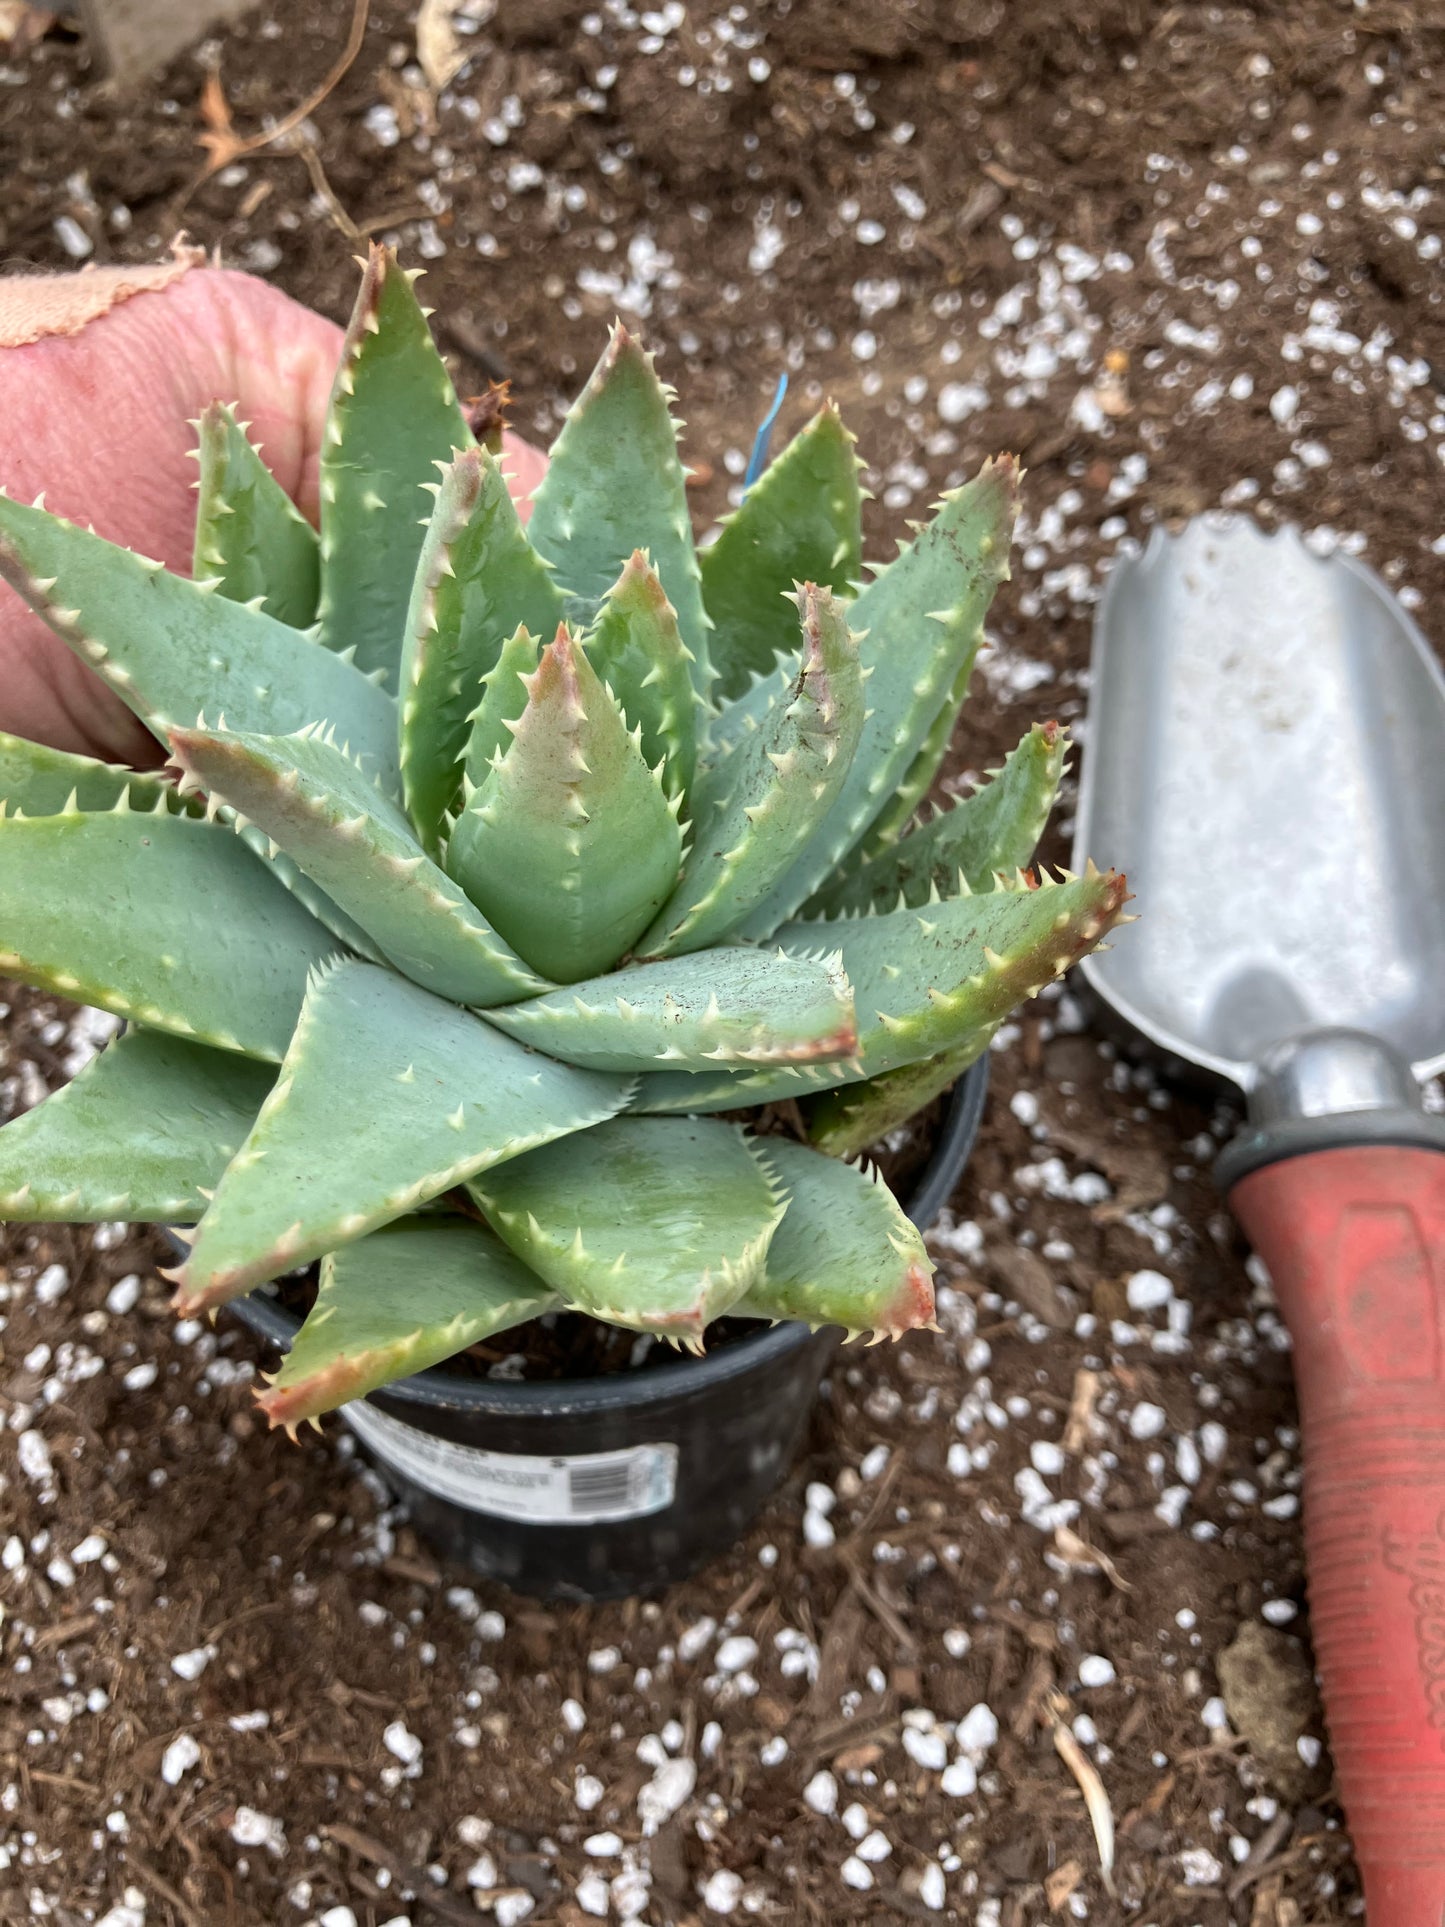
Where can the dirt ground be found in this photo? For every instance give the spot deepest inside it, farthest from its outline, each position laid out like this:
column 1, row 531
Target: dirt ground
column 1174, row 255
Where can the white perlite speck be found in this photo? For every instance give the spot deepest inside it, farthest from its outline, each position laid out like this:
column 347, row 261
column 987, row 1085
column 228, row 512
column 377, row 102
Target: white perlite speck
column 977, row 1730
column 856, row 1874
column 34, row 1456
column 402, row 1743
column 253, row 1829
column 928, row 1749
column 722, row 1891
column 821, row 1793
column 1200, row 1868
column 1284, row 404
column 665, row 1792
column 931, row 1889
column 482, row 1873
column 53, row 1283
column 696, row 1639
column 574, row 1715
column 1147, row 1421
column 736, row 1653
column 1149, row 1291
column 509, row 1909
column 957, row 400
column 124, row 1295
column 591, row 1896
column 337, row 1917
column 179, row 1757
column 129, row 1911
column 192, row 1664
column 1095, row 1670
column 818, row 1530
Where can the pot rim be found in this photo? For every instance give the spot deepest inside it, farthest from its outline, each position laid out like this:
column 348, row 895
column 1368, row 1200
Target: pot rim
column 435, row 1389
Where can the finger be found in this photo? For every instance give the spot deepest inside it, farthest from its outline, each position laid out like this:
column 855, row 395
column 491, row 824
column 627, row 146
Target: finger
column 101, row 421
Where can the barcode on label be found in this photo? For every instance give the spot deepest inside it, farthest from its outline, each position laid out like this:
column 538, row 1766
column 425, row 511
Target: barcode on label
column 577, row 1489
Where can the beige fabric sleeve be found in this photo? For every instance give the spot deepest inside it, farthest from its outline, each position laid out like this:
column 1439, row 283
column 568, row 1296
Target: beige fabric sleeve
column 33, row 306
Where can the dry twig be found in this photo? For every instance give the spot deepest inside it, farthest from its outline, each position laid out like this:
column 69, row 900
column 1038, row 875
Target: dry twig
column 1101, row 1814
column 221, row 141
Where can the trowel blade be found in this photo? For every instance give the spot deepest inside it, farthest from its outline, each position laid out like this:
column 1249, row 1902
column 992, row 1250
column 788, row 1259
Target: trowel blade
column 1265, row 759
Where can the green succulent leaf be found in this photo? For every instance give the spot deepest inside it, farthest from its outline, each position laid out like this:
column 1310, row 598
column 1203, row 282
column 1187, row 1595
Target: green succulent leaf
column 478, row 580
column 920, row 622
column 143, row 1134
column 757, row 809
column 615, row 484
column 925, row 982
column 727, row 1006
column 394, row 418
column 571, row 845
column 407, row 1297
column 250, row 536
column 42, row 782
column 847, row 1121
column 695, row 1093
column 168, row 920
column 746, row 715
column 637, row 649
column 503, row 699
column 171, row 649
column 387, row 1097
column 307, row 893
column 919, row 778
column 801, row 521
column 624, row 846
column 925, row 979
column 991, row 832
column 656, row 1226
column 306, row 794
column 844, row 1254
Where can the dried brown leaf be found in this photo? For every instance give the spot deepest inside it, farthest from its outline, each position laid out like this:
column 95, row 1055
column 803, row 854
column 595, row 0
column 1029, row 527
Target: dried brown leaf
column 439, row 52
column 1096, row 1800
column 1062, row 1883
column 1080, row 1426
column 1077, row 1552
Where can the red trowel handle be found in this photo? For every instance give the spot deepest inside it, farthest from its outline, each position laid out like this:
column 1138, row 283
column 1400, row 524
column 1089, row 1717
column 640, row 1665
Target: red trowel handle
column 1354, row 1240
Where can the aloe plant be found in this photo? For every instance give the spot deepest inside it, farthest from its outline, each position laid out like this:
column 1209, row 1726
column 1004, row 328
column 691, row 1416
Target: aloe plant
column 495, row 865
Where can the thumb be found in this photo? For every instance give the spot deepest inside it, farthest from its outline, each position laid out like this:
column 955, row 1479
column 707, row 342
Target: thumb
column 100, row 420
column 243, row 341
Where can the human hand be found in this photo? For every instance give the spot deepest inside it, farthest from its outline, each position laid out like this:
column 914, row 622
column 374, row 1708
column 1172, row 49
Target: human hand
column 100, row 420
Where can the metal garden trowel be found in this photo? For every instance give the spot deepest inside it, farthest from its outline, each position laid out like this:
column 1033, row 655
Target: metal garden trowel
column 1266, row 760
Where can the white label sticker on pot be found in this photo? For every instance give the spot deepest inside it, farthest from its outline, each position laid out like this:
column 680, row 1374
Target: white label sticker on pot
column 586, row 1488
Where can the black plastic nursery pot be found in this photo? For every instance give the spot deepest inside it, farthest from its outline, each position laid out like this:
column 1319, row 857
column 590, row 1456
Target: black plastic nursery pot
column 596, row 1488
